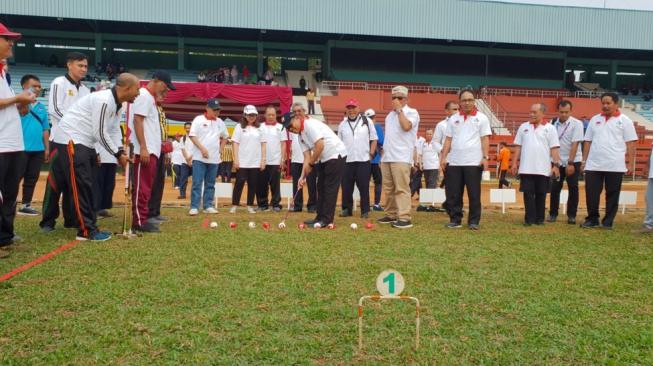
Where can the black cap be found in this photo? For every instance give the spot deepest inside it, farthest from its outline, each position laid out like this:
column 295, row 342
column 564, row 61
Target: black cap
column 287, row 118
column 213, row 104
column 165, row 77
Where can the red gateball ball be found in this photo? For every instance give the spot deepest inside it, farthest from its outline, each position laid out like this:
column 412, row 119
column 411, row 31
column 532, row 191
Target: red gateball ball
column 369, row 225
column 266, row 225
column 301, row 226
column 232, row 225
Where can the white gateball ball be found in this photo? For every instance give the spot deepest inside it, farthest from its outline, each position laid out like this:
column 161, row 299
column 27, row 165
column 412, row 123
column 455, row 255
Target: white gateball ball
column 317, row 225
column 213, row 224
column 252, row 225
column 354, row 226
column 282, row 225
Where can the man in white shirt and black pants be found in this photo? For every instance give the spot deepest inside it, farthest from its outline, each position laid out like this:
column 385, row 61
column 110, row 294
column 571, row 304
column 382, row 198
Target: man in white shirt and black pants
column 608, row 153
column 536, row 147
column 398, row 147
column 320, row 145
column 94, row 119
column 464, row 157
column 275, row 145
column 64, row 92
column 570, row 136
column 12, row 156
column 450, row 108
column 358, row 134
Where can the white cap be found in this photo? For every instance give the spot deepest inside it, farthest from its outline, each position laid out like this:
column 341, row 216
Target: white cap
column 401, row 90
column 250, row 109
column 370, row 113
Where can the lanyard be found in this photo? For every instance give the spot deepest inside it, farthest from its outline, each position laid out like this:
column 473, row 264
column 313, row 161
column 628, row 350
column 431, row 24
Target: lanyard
column 563, row 130
column 353, row 129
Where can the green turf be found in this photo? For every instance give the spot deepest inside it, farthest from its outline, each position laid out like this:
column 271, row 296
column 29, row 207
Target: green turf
column 504, row 295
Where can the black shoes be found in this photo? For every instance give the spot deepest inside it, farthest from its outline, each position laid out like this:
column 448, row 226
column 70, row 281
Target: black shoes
column 402, row 224
column 386, row 220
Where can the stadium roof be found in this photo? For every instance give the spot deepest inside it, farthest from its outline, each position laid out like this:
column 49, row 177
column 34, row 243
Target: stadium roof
column 457, row 20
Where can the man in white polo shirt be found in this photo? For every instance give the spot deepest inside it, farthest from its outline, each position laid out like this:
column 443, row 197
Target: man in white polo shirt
column 358, row 134
column 297, row 165
column 275, row 145
column 464, row 157
column 570, row 136
column 209, row 134
column 12, row 157
column 608, row 152
column 429, row 159
column 94, row 119
column 536, row 147
column 450, row 108
column 400, row 135
column 320, row 145
column 148, row 133
column 64, row 92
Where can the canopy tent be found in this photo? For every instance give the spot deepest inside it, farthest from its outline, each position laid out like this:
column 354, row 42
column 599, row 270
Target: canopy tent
column 189, row 99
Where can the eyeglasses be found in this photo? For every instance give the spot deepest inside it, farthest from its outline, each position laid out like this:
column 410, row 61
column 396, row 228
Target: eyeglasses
column 400, row 98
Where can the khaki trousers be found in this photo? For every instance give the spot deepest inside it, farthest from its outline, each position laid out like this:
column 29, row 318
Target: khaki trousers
column 396, row 186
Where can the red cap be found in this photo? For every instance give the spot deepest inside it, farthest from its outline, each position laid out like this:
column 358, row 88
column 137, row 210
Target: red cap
column 352, row 102
column 5, row 32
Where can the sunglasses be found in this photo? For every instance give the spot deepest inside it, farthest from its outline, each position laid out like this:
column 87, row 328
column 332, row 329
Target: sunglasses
column 400, row 98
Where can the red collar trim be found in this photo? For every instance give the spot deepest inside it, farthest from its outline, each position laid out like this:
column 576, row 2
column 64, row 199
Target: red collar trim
column 616, row 114
column 2, row 68
column 472, row 113
column 270, row 123
column 209, row 119
column 301, row 126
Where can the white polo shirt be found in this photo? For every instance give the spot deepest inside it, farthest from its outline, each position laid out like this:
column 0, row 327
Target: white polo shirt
column 274, row 135
column 650, row 171
column 430, row 153
column 536, row 143
column 314, row 131
column 609, row 137
column 398, row 144
column 63, row 94
column 188, row 145
column 177, row 158
column 466, row 132
column 144, row 105
column 94, row 119
column 208, row 132
column 440, row 133
column 296, row 153
column 357, row 136
column 569, row 132
column 249, row 142
column 11, row 129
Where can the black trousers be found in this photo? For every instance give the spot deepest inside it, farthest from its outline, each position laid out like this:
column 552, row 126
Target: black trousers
column 329, row 175
column 377, row 177
column 415, row 182
column 154, row 206
column 186, row 171
column 503, row 182
column 431, row 178
column 311, row 107
column 57, row 187
column 176, row 168
column 311, row 184
column 572, row 187
column 104, row 186
column 459, row 178
column 224, row 171
column 269, row 180
column 534, row 188
column 594, row 183
column 251, row 176
column 356, row 173
column 33, row 162
column 81, row 164
column 12, row 166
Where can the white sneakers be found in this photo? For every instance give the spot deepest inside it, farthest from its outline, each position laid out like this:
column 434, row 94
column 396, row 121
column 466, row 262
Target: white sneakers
column 193, row 212
column 210, row 210
column 232, row 209
column 251, row 210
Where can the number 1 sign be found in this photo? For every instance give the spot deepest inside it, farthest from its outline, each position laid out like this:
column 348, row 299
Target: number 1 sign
column 390, row 283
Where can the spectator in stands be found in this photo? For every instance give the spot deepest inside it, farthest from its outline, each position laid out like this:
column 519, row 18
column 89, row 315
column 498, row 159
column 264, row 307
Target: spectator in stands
column 647, row 226
column 310, row 98
column 209, row 134
column 320, row 145
column 465, row 152
column 148, row 127
column 570, row 136
column 537, row 159
column 296, row 166
column 268, row 76
column 358, row 134
column 450, row 108
column 302, row 84
column 608, row 153
column 503, row 161
column 227, row 156
column 400, row 134
column 65, row 91
column 177, row 159
column 201, row 77
column 375, row 168
column 12, row 157
column 249, row 157
column 245, row 74
column 234, row 74
column 186, row 168
column 36, row 135
column 275, row 141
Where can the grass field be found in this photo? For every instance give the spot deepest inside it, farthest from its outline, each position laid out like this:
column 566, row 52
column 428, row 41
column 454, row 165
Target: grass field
column 504, row 295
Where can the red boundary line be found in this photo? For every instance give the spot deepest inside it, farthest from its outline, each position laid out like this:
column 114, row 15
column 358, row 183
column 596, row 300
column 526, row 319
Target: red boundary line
column 38, row 260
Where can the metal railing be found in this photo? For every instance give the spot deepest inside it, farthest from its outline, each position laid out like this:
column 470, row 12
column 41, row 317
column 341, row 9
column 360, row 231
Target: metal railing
column 334, row 85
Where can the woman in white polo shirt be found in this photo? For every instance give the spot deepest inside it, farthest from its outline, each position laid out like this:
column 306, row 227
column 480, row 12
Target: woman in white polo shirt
column 249, row 157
